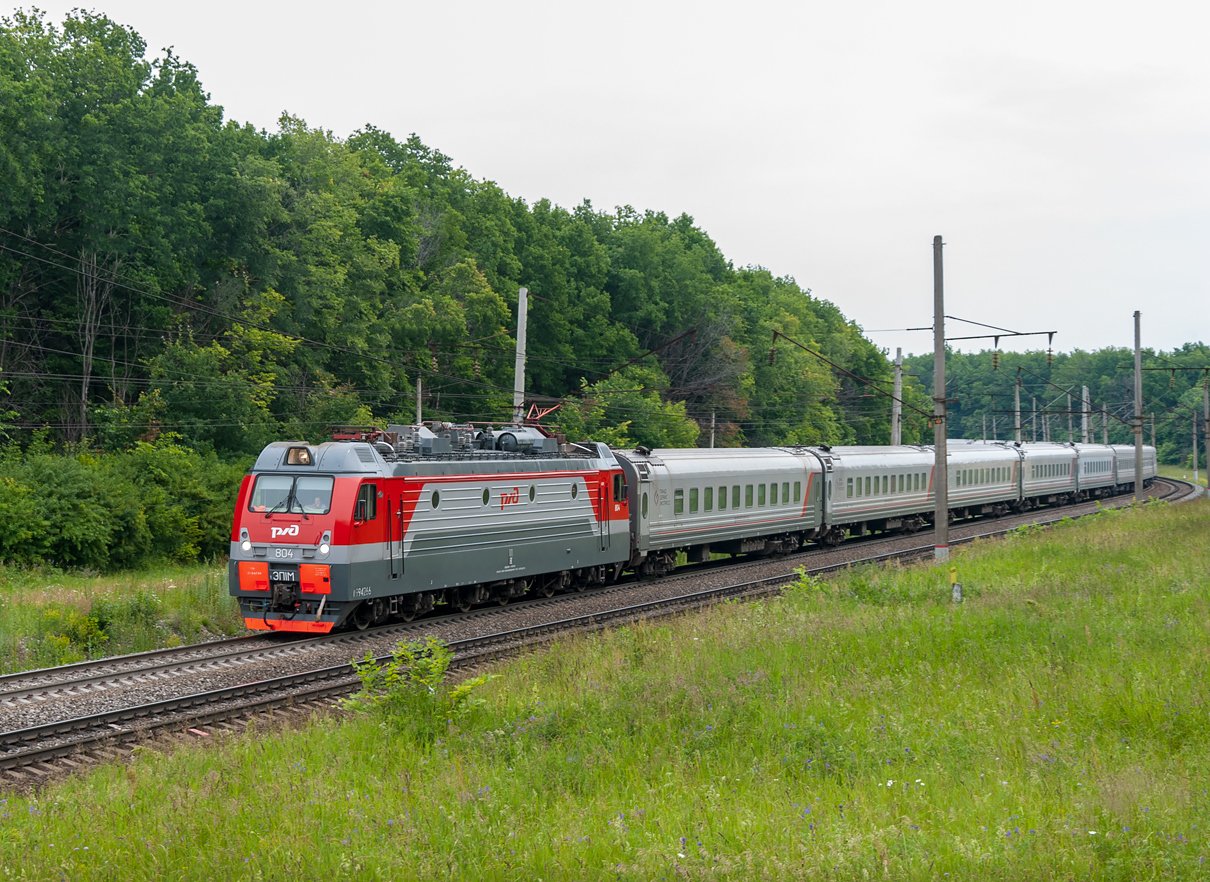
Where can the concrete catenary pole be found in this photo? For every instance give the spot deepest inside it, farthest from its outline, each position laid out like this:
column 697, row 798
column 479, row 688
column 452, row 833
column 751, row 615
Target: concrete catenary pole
column 897, row 401
column 1017, row 410
column 1206, row 428
column 1138, row 407
column 1104, row 426
column 519, row 367
column 941, row 521
column 1085, row 416
column 1033, row 420
column 419, row 383
column 1196, row 479
column 1071, row 434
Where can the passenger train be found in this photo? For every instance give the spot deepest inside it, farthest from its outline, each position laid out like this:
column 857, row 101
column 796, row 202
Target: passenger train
column 375, row 525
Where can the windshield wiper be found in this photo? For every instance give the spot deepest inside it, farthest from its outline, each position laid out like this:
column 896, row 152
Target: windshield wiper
column 286, row 502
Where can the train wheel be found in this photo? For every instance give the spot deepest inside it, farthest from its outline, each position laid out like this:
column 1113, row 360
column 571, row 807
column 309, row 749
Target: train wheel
column 465, row 600
column 363, row 616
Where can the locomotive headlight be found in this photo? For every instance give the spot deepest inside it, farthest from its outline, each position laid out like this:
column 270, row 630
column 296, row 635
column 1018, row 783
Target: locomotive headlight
column 246, row 545
column 245, row 542
column 324, row 543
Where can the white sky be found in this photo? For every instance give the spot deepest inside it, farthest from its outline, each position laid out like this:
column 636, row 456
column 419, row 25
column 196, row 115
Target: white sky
column 1061, row 148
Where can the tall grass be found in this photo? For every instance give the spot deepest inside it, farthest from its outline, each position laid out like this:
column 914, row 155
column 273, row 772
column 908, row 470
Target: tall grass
column 1053, row 725
column 51, row 618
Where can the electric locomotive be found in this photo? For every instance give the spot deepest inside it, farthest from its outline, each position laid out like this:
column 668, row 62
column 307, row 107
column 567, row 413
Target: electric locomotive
column 383, row 524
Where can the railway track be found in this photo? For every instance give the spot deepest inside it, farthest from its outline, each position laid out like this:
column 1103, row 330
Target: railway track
column 54, row 720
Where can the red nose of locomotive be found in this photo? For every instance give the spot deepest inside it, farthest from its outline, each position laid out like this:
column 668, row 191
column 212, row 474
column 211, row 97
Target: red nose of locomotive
column 281, row 554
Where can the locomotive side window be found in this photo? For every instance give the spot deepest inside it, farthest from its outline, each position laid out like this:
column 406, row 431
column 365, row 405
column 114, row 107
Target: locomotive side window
column 798, row 491
column 367, row 503
column 619, row 489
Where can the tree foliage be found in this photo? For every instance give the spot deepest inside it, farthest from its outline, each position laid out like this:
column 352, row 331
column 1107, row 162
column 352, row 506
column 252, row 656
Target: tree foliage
column 982, row 394
column 166, row 270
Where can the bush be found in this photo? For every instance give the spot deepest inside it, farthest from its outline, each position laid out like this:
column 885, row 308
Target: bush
column 68, row 635
column 156, row 501
column 409, row 692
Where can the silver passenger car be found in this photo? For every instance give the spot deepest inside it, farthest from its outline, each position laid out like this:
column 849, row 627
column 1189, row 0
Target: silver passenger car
column 879, row 488
column 720, row 500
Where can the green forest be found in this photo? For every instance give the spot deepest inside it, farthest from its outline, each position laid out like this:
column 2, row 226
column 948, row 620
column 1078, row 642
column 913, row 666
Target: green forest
column 177, row 288
column 981, row 390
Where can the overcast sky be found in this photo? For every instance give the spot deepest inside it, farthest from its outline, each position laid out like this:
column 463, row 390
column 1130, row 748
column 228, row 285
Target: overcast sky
column 1061, row 149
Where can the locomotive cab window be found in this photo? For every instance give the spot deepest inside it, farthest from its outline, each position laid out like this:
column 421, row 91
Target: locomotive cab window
column 290, row 494
column 619, row 489
column 366, row 508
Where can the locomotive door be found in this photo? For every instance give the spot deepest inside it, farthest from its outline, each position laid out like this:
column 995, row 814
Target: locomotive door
column 603, row 519
column 395, row 534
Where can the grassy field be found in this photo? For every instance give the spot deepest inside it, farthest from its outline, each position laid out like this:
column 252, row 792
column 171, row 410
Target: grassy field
column 1054, row 725
column 50, row 618
column 1183, row 473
